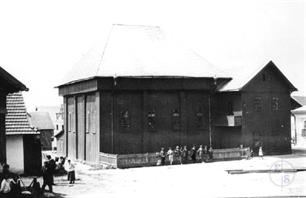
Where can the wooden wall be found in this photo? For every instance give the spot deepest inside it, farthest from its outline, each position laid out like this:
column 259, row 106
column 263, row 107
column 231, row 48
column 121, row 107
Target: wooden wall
column 82, row 125
column 145, row 121
column 2, row 127
column 32, row 154
column 266, row 113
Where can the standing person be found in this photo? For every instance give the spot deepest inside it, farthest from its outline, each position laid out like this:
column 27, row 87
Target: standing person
column 200, row 153
column 52, row 167
column 162, row 156
column 177, row 154
column 15, row 187
column 210, row 153
column 170, row 155
column 193, row 154
column 71, row 172
column 260, row 152
column 205, row 153
column 47, row 177
column 184, row 154
column 35, row 188
column 5, row 188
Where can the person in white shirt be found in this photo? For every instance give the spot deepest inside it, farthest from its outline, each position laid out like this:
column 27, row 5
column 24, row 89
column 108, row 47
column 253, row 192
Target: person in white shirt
column 5, row 187
column 170, row 155
column 71, row 172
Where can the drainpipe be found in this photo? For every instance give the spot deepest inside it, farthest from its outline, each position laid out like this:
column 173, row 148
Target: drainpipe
column 210, row 120
column 295, row 132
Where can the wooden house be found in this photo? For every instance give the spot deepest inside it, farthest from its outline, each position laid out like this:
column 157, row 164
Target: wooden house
column 8, row 84
column 299, row 123
column 23, row 141
column 141, row 93
column 42, row 122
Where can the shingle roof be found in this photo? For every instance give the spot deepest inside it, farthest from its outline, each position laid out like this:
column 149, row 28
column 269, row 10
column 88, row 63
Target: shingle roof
column 133, row 51
column 16, row 121
column 300, row 99
column 241, row 76
column 41, row 120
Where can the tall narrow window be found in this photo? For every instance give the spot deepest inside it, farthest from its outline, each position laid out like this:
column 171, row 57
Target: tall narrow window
column 199, row 118
column 124, row 119
column 176, row 126
column 275, row 104
column 257, row 104
column 230, row 108
column 151, row 121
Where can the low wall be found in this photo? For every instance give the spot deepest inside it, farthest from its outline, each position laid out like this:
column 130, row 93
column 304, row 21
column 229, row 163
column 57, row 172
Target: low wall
column 231, row 153
column 150, row 159
column 108, row 160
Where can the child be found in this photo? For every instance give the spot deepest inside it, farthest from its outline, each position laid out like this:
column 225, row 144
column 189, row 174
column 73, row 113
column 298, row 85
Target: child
column 71, row 172
column 177, row 153
column 200, row 153
column 170, row 155
column 260, row 152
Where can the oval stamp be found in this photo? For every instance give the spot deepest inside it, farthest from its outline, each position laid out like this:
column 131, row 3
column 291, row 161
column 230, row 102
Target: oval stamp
column 282, row 173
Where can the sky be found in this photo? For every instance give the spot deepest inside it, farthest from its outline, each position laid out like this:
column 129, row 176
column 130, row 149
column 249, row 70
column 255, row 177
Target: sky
column 40, row 40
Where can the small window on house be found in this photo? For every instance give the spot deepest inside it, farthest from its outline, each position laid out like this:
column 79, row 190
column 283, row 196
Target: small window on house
column 151, row 120
column 176, row 126
column 305, row 124
column 88, row 121
column 257, row 104
column 57, row 127
column 124, row 119
column 230, row 108
column 263, row 77
column 199, row 118
column 275, row 104
column 69, row 122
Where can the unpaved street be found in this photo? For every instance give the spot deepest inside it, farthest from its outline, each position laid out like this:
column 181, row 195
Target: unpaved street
column 192, row 180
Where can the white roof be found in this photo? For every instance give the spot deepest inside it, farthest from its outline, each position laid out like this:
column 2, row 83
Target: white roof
column 132, row 51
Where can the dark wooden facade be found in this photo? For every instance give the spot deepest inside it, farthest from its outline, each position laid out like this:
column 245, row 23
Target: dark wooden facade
column 263, row 107
column 140, row 114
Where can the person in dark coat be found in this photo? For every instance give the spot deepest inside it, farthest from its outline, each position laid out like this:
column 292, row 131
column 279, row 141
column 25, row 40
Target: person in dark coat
column 193, row 154
column 184, row 154
column 52, row 167
column 162, row 155
column 15, row 187
column 210, row 153
column 35, row 188
column 177, row 154
column 47, row 177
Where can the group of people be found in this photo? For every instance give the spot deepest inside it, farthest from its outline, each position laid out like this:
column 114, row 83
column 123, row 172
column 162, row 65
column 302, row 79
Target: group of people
column 56, row 166
column 13, row 187
column 10, row 184
column 181, row 155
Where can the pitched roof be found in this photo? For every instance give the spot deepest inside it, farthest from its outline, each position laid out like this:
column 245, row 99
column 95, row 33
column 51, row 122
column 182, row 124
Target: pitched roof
column 243, row 75
column 301, row 110
column 300, row 99
column 11, row 83
column 16, row 121
column 140, row 51
column 52, row 110
column 41, row 120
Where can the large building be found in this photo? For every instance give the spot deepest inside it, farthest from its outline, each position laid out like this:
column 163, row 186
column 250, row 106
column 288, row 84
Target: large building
column 140, row 93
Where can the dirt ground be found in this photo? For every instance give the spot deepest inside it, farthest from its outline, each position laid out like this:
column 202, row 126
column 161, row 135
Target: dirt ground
column 192, row 180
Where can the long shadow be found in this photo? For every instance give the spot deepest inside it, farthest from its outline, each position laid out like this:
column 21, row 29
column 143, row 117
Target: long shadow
column 54, row 195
